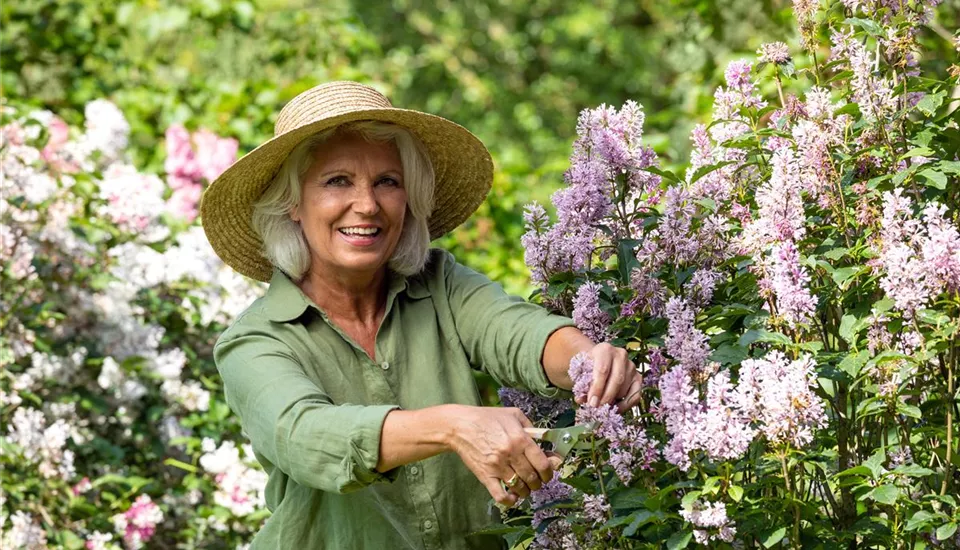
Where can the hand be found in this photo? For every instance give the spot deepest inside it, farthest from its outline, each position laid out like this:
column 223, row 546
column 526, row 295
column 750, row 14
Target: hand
column 492, row 444
column 615, row 378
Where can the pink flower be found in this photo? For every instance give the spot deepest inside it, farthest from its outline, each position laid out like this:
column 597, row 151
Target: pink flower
column 138, row 524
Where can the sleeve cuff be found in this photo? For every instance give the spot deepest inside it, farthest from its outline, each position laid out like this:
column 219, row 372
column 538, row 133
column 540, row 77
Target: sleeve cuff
column 535, row 376
column 360, row 464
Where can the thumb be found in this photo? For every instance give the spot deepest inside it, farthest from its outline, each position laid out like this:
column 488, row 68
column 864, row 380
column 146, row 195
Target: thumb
column 556, row 461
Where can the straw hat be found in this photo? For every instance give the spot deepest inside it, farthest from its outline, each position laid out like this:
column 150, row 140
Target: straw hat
column 463, row 168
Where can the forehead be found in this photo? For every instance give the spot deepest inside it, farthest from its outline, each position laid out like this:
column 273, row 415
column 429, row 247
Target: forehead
column 352, row 148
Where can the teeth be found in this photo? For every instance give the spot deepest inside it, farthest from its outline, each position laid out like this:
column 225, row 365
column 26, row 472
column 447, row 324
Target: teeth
column 359, row 230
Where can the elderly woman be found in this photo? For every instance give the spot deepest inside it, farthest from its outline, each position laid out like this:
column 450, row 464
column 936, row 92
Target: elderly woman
column 352, row 375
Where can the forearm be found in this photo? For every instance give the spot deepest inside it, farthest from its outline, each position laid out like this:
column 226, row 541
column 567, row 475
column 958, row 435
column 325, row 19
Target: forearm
column 409, row 436
column 562, row 345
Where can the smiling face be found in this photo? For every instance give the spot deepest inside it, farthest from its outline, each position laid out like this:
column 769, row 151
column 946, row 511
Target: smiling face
column 352, row 205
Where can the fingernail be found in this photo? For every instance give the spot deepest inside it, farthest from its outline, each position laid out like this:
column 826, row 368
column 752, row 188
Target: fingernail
column 594, row 401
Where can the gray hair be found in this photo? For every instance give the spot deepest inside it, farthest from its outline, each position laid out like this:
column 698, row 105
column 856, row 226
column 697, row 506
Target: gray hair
column 284, row 244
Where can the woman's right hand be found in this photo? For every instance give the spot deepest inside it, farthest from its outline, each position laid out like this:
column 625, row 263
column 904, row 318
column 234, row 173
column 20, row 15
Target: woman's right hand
column 493, row 445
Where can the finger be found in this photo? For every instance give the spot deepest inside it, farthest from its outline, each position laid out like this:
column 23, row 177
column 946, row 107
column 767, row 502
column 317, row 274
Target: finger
column 616, row 378
column 498, row 493
column 556, row 461
column 602, row 363
column 541, row 464
column 522, row 418
column 633, row 395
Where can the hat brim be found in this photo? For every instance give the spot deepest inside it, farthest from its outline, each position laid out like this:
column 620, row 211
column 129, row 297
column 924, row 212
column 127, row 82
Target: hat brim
column 462, row 166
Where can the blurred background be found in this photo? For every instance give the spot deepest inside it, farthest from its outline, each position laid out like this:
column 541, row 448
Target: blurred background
column 515, row 72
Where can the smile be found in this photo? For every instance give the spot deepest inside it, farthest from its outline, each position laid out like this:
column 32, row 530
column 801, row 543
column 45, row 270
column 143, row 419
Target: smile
column 360, row 231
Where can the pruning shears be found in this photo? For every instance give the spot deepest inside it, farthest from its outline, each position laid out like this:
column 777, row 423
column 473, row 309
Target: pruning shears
column 563, row 440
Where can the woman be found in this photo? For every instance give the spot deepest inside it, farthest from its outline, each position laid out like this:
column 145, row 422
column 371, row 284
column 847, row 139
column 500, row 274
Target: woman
column 352, row 375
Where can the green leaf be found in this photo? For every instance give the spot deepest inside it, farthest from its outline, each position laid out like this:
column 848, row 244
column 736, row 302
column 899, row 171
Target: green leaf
column 835, row 253
column 909, row 410
column 844, row 275
column 946, row 530
column 868, row 25
column 763, row 335
column 853, row 362
column 950, row 166
column 728, row 354
column 850, row 326
column 875, row 463
column 917, row 152
column 640, row 518
column 886, row 494
column 935, row 178
column 735, row 492
column 918, row 520
column 930, row 103
column 679, row 540
column 770, row 538
column 913, row 470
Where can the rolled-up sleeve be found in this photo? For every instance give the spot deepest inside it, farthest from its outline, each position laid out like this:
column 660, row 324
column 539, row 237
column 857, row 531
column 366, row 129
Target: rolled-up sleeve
column 502, row 334
column 292, row 422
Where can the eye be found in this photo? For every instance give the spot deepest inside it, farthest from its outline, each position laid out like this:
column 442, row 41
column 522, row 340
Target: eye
column 337, row 181
column 387, row 180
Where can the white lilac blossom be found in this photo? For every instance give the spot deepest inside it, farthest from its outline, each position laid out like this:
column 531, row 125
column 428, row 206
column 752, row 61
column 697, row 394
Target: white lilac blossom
column 710, row 521
column 107, row 131
column 23, row 533
column 113, row 379
column 190, row 394
column 42, row 444
column 788, row 280
column 100, row 541
column 134, row 201
column 590, row 319
column 240, row 487
column 139, row 523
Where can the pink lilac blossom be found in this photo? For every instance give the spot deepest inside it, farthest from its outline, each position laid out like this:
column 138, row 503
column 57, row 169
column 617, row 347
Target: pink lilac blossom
column 681, row 412
column 590, row 319
column 774, row 52
column 134, row 201
column 581, row 372
column 726, row 433
column 872, row 93
column 878, row 336
column 805, row 11
column 649, row 298
column 191, row 160
column 739, row 94
column 779, row 395
column 779, row 206
column 139, row 523
column 710, row 521
column 789, row 282
column 240, row 488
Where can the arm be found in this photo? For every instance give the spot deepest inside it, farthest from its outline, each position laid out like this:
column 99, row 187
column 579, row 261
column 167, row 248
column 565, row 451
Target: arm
column 292, row 422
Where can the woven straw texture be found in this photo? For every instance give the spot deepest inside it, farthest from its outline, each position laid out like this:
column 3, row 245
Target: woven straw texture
column 463, row 168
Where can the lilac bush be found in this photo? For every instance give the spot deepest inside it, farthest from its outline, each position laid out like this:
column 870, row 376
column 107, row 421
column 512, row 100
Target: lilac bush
column 113, row 432
column 791, row 298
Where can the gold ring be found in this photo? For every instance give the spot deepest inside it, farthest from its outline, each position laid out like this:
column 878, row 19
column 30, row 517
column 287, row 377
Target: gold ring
column 513, row 481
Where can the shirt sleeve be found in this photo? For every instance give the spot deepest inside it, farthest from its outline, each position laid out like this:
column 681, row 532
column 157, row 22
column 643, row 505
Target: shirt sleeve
column 502, row 334
column 293, row 423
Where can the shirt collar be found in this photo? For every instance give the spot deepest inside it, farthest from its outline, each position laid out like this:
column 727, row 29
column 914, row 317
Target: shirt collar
column 284, row 301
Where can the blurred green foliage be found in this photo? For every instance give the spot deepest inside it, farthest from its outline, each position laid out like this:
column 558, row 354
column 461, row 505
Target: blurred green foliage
column 514, row 72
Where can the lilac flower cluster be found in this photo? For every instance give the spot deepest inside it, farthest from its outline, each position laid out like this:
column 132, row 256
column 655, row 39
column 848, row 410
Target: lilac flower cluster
column 596, row 508
column 874, row 94
column 774, row 52
column 710, row 520
column 558, row 535
column 684, row 342
column 917, row 259
column 534, row 407
column 590, row 319
column 788, row 282
column 629, row 446
column 608, row 158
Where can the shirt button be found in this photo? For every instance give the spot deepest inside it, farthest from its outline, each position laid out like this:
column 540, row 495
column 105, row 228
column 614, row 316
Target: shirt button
column 427, row 524
column 414, row 470
column 384, row 365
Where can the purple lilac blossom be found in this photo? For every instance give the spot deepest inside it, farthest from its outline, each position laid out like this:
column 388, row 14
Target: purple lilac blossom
column 726, row 433
column 535, row 407
column 588, row 316
column 699, row 289
column 740, row 93
column 557, row 536
column 774, row 52
column 596, row 509
column 873, row 94
column 789, row 281
column 630, row 448
column 581, row 373
column 549, row 493
column 684, row 342
column 779, row 206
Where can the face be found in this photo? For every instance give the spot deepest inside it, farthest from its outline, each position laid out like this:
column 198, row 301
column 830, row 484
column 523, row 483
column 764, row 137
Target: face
column 352, row 205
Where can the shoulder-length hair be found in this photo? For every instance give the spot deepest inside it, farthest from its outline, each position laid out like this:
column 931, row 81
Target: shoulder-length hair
column 284, row 244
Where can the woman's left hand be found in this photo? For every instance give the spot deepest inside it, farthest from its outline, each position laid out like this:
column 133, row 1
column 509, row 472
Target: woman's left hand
column 616, row 379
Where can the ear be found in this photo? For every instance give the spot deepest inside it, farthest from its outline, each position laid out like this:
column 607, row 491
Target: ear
column 295, row 214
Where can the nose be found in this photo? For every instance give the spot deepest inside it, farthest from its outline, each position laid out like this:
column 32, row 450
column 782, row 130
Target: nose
column 365, row 199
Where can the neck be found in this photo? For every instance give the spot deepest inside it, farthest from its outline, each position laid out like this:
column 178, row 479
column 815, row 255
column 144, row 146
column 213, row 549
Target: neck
column 348, row 295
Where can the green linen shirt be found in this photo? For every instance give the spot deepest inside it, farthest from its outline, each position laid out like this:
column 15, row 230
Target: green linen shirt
column 313, row 403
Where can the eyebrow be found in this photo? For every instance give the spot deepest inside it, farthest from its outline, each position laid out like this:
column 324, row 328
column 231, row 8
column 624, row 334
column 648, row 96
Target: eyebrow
column 351, row 174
